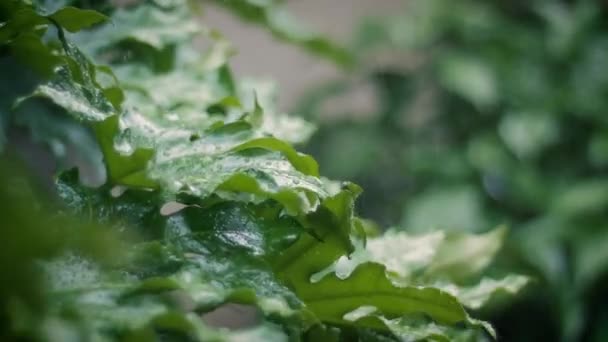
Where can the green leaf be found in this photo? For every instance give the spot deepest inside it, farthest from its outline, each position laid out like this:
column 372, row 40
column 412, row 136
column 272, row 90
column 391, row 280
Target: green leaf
column 581, row 199
column 232, row 158
column 123, row 169
column 419, row 265
column 426, row 258
column 475, row 297
column 527, row 134
column 463, row 256
column 74, row 19
column 405, row 254
column 23, row 19
column 333, row 295
column 411, row 329
column 331, row 298
column 75, row 88
column 471, row 79
column 292, row 129
column 29, row 49
column 590, row 258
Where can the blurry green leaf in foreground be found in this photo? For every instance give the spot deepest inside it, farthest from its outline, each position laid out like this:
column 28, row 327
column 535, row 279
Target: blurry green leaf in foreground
column 34, row 231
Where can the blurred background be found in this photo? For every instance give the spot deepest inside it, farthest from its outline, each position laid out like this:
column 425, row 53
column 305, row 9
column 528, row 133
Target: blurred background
column 261, row 56
column 465, row 115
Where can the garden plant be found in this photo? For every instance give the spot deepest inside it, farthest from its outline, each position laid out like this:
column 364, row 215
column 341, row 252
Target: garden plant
column 177, row 191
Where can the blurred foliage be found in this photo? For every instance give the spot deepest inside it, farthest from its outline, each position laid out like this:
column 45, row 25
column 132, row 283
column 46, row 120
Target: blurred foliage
column 486, row 113
column 198, row 199
column 34, row 230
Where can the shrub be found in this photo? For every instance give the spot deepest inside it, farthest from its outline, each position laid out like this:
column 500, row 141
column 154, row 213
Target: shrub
column 203, row 199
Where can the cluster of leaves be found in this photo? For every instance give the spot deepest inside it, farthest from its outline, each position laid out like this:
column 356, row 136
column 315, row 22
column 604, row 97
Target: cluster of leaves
column 487, row 114
column 204, row 201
